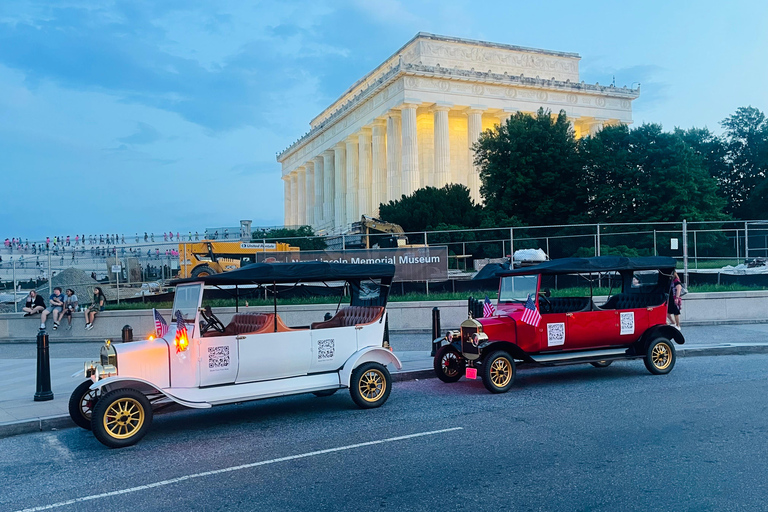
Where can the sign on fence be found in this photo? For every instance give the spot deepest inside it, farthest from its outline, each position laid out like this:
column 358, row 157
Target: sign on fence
column 411, row 263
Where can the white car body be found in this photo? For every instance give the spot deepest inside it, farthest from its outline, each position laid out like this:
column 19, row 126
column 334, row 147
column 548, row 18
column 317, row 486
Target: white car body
column 225, row 368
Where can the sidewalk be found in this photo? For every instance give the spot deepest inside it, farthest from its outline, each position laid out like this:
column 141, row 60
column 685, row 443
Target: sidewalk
column 20, row 414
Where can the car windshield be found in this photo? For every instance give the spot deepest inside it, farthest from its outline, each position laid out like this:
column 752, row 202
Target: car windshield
column 187, row 299
column 517, row 288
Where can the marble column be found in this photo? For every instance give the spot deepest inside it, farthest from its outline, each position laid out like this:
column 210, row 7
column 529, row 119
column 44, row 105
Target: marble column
column 319, row 190
column 410, row 150
column 353, row 166
column 309, row 193
column 595, row 127
column 340, row 185
column 287, row 200
column 394, row 156
column 294, row 200
column 379, row 168
column 329, row 171
column 364, row 173
column 474, row 128
column 442, row 146
column 504, row 116
column 301, row 196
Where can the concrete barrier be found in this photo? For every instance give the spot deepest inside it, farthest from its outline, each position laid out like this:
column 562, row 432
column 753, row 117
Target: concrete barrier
column 698, row 309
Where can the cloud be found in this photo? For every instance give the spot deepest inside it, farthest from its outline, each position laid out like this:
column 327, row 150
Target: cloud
column 145, row 134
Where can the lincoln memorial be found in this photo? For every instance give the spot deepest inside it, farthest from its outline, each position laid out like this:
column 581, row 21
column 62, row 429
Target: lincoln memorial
column 412, row 121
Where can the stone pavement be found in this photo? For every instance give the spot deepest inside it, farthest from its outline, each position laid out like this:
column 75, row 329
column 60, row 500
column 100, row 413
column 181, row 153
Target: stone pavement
column 20, row 414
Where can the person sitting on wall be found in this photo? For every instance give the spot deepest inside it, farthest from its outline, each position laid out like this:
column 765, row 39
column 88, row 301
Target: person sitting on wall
column 34, row 305
column 98, row 305
column 70, row 306
column 55, row 306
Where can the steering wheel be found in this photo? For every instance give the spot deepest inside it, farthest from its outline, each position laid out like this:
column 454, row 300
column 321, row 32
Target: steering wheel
column 211, row 321
column 546, row 305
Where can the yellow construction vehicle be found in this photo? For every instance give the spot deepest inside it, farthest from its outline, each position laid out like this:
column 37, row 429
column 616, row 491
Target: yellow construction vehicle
column 214, row 256
column 371, row 226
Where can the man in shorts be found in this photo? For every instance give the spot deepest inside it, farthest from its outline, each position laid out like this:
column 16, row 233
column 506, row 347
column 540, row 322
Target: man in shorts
column 55, row 306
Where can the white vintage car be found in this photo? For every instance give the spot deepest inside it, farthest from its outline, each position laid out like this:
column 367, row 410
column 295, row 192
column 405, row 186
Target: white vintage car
column 201, row 362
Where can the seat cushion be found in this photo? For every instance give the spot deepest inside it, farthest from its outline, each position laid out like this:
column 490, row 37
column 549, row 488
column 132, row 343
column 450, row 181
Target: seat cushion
column 569, row 304
column 243, row 323
column 352, row 315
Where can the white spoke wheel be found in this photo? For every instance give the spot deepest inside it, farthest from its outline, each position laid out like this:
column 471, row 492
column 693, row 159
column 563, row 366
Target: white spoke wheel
column 121, row 418
column 498, row 371
column 448, row 364
column 660, row 357
column 370, row 385
column 81, row 404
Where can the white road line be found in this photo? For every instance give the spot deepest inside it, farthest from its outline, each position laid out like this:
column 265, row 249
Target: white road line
column 238, row 468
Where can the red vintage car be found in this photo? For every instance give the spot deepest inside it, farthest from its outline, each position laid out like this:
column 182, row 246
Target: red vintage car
column 533, row 324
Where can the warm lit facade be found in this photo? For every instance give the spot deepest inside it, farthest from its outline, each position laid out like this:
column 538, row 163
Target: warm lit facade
column 412, row 122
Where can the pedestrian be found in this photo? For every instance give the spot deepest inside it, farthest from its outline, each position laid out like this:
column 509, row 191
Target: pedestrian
column 34, row 305
column 55, row 306
column 98, row 305
column 70, row 306
column 675, row 303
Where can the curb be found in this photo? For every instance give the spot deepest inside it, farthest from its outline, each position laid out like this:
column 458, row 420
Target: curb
column 49, row 423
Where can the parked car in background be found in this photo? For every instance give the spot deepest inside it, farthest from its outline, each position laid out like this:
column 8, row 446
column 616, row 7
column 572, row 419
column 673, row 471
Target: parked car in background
column 201, row 361
column 532, row 324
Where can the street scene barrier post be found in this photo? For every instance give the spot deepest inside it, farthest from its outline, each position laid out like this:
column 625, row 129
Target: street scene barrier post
column 43, row 391
column 435, row 329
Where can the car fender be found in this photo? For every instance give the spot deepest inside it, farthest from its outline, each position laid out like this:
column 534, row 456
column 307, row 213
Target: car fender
column 146, row 387
column 366, row 355
column 507, row 346
column 667, row 331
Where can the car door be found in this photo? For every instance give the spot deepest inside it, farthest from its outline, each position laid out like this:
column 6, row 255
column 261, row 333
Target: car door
column 218, row 360
column 273, row 355
column 331, row 347
column 590, row 329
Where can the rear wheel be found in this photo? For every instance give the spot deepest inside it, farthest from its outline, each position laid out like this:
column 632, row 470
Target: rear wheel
column 498, row 371
column 660, row 357
column 601, row 364
column 121, row 418
column 202, row 271
column 448, row 364
column 370, row 385
column 81, row 404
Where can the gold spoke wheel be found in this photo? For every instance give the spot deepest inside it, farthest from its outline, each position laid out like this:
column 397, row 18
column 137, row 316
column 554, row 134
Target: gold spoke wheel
column 372, row 385
column 124, row 417
column 661, row 356
column 501, row 372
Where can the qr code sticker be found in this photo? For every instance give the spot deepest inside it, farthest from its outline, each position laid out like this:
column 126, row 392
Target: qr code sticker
column 325, row 349
column 628, row 323
column 555, row 334
column 218, row 357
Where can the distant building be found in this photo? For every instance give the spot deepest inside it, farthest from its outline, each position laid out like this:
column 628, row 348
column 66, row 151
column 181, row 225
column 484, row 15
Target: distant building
column 411, row 123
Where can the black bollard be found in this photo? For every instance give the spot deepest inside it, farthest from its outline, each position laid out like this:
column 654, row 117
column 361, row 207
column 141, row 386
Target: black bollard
column 127, row 334
column 43, row 392
column 435, row 329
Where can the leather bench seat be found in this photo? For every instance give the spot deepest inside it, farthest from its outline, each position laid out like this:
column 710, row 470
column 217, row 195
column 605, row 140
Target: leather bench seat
column 569, row 304
column 634, row 300
column 249, row 323
column 352, row 315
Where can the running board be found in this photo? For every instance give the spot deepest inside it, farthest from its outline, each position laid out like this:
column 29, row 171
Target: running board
column 582, row 356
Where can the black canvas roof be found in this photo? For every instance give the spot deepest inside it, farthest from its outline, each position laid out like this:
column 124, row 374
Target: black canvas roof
column 308, row 271
column 597, row 264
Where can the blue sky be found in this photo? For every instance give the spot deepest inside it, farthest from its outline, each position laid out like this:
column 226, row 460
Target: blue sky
column 148, row 116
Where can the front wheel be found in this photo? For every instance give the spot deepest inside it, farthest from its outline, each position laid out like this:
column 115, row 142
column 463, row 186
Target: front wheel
column 498, row 371
column 660, row 356
column 448, row 364
column 370, row 385
column 81, row 403
column 121, row 418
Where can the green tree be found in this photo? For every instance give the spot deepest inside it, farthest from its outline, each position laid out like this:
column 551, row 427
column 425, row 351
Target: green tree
column 531, row 170
column 428, row 207
column 302, row 237
column 646, row 175
column 746, row 134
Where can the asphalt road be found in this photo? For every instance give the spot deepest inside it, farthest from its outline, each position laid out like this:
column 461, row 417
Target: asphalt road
column 569, row 438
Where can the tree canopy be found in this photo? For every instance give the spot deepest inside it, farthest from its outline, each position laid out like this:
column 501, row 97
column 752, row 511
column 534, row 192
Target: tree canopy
column 429, row 207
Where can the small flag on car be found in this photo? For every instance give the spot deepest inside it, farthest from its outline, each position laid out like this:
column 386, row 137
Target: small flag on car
column 531, row 316
column 488, row 309
column 161, row 328
column 181, row 341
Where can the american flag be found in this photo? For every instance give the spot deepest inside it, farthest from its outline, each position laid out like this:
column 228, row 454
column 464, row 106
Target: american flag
column 181, row 341
column 161, row 328
column 488, row 309
column 531, row 316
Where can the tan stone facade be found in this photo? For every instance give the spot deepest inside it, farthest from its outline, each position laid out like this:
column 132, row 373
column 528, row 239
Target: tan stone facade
column 412, row 122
